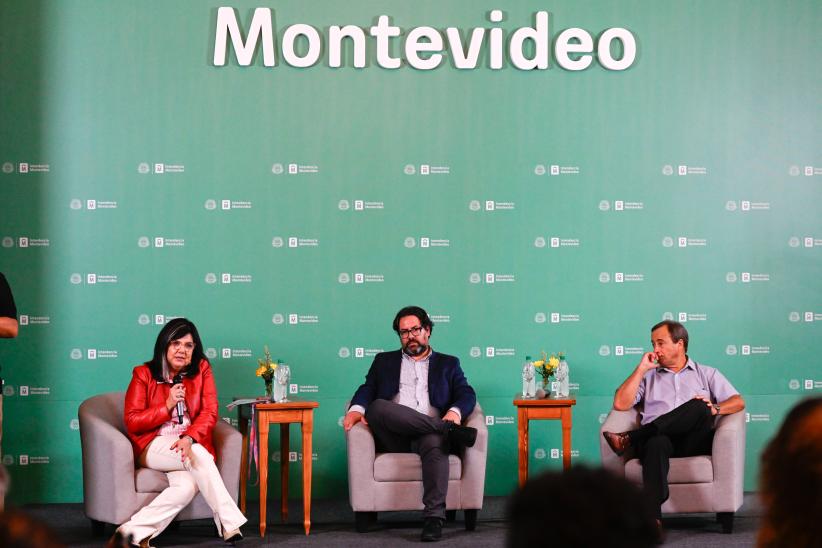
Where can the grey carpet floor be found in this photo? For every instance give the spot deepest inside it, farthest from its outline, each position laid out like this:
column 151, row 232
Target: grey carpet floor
column 332, row 525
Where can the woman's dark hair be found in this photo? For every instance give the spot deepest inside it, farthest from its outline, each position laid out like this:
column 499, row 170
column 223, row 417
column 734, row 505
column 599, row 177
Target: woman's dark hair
column 416, row 311
column 173, row 330
column 791, row 480
column 676, row 330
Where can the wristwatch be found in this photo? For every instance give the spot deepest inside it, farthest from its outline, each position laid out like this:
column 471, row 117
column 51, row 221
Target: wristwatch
column 716, row 406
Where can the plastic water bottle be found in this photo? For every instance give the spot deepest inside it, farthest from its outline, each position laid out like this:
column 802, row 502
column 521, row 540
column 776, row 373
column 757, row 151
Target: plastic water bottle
column 529, row 383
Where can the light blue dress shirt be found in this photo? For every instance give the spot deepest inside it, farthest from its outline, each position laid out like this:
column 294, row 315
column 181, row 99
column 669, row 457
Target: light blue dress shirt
column 662, row 390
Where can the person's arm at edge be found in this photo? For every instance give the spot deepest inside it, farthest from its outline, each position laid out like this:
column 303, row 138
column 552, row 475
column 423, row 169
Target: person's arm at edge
column 9, row 328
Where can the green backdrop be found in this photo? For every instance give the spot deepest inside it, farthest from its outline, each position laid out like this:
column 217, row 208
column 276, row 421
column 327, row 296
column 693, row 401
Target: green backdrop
column 526, row 210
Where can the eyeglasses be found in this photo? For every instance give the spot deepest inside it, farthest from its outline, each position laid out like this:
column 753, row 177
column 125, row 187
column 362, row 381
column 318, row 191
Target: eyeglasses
column 176, row 345
column 414, row 331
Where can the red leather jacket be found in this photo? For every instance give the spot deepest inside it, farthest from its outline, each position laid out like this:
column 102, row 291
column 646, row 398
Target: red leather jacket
column 146, row 411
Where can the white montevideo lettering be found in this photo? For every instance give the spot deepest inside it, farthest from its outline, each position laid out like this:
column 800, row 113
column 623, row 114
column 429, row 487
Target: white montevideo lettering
column 422, row 47
column 227, row 26
column 335, row 38
column 383, row 32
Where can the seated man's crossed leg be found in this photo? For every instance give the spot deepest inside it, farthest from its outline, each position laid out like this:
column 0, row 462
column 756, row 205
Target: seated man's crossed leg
column 400, row 429
column 683, row 432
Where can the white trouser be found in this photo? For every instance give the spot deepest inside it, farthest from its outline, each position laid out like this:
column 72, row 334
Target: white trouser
column 184, row 481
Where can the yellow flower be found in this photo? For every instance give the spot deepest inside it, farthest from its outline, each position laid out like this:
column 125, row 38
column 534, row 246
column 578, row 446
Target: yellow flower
column 539, row 363
column 553, row 362
column 261, row 370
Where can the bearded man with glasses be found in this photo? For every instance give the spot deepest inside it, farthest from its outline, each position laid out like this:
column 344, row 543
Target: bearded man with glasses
column 414, row 400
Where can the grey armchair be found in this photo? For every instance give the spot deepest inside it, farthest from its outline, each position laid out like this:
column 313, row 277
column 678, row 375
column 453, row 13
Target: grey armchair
column 379, row 482
column 706, row 483
column 113, row 488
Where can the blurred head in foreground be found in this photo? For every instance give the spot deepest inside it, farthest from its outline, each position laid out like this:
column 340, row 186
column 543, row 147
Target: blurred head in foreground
column 18, row 530
column 791, row 480
column 580, row 507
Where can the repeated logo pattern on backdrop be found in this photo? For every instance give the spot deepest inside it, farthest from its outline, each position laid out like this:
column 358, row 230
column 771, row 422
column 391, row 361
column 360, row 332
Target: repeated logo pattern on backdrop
column 299, row 208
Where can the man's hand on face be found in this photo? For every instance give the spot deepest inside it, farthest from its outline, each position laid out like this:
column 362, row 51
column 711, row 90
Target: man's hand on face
column 452, row 416
column 707, row 401
column 352, row 418
column 648, row 362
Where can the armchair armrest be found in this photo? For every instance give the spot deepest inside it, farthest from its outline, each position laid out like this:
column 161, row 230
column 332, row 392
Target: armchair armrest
column 473, row 462
column 728, row 457
column 617, row 421
column 228, row 443
column 109, row 492
column 361, row 455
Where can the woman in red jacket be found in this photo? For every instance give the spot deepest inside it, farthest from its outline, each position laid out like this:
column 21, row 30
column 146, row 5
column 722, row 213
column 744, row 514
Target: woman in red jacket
column 170, row 412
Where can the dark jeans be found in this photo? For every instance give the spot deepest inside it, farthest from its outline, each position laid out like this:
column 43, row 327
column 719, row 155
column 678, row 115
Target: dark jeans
column 684, row 432
column 400, row 429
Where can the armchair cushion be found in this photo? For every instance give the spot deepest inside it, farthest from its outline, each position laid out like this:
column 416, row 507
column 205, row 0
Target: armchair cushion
column 408, row 467
column 683, row 470
column 147, row 480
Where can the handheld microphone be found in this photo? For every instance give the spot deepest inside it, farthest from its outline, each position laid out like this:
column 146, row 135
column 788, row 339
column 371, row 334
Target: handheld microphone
column 178, row 379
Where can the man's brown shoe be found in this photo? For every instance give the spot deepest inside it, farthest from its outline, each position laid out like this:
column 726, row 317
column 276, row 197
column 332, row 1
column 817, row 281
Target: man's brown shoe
column 617, row 442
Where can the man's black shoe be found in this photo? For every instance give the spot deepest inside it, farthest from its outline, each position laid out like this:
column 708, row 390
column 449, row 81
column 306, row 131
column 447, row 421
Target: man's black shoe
column 461, row 436
column 431, row 530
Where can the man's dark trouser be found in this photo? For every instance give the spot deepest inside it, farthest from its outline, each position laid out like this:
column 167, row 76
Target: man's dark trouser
column 684, row 432
column 400, row 429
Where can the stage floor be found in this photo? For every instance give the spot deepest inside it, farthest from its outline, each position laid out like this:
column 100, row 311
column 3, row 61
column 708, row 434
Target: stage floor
column 333, row 525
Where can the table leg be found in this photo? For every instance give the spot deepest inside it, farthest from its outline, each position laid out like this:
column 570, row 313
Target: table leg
column 522, row 444
column 284, row 450
column 566, row 438
column 308, row 428
column 243, row 424
column 262, row 426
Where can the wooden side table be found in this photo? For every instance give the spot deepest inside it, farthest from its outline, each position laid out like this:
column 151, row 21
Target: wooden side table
column 533, row 409
column 295, row 410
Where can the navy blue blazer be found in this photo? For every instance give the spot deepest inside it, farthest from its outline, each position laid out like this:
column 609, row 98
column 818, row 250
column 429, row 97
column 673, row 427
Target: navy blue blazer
column 447, row 385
